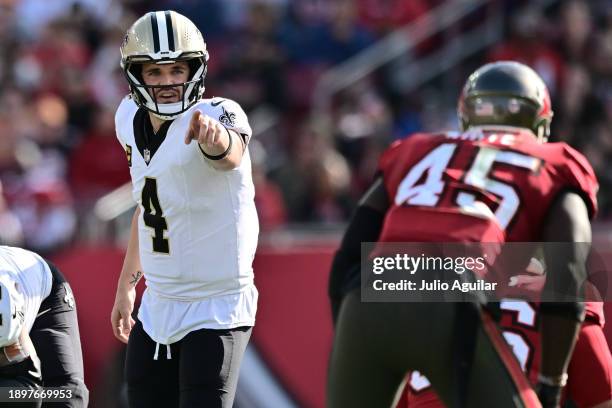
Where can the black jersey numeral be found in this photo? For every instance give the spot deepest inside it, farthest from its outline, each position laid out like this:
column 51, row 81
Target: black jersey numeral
column 153, row 216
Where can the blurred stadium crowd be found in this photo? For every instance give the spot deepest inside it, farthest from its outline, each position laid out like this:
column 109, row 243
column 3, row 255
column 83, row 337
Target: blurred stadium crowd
column 60, row 83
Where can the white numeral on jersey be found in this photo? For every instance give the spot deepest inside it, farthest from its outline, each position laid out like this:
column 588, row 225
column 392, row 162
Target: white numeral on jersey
column 519, row 346
column 526, row 315
column 477, row 176
column 435, row 163
column 418, row 382
column 427, row 193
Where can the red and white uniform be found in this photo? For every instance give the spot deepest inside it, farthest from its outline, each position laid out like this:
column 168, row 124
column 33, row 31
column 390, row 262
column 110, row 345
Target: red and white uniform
column 590, row 369
column 483, row 185
column 493, row 185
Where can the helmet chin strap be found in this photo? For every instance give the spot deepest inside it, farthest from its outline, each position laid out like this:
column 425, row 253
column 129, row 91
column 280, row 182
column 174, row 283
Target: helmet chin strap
column 165, row 107
column 542, row 131
column 542, row 137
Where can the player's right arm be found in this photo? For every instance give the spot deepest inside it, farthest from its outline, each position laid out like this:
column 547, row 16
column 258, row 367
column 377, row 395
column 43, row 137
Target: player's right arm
column 131, row 273
column 364, row 226
column 568, row 222
column 216, row 141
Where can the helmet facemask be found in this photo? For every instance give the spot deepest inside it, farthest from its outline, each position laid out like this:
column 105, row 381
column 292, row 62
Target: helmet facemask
column 143, row 94
column 503, row 110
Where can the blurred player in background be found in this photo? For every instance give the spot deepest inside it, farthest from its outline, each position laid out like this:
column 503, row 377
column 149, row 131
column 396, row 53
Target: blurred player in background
column 589, row 382
column 496, row 181
column 39, row 331
column 195, row 229
column 590, row 370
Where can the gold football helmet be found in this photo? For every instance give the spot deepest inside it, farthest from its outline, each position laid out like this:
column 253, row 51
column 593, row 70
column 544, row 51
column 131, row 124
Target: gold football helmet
column 164, row 37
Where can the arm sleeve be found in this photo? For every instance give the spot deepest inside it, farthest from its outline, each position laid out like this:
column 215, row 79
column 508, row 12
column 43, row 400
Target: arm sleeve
column 365, row 226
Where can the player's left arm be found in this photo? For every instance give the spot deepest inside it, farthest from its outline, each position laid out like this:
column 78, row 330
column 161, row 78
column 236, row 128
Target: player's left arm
column 568, row 222
column 364, row 226
column 223, row 147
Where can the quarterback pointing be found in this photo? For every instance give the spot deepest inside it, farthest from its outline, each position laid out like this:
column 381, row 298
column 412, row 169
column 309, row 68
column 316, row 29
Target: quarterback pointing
column 195, row 228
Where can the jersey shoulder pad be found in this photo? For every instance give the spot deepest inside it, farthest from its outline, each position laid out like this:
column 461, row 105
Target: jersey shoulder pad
column 406, row 146
column 124, row 116
column 228, row 112
column 389, row 156
column 576, row 171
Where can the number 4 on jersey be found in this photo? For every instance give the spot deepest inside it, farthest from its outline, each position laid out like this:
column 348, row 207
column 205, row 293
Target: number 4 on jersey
column 153, row 216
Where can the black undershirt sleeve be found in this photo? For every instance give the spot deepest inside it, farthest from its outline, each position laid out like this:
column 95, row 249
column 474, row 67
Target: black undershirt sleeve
column 365, row 226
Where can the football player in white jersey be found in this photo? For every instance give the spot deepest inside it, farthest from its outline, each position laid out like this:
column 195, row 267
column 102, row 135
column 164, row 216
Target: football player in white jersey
column 195, row 228
column 39, row 332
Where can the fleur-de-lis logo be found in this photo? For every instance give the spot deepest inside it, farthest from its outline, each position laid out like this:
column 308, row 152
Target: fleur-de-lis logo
column 69, row 298
column 227, row 118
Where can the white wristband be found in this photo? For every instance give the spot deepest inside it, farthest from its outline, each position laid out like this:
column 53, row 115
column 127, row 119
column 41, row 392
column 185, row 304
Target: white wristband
column 559, row 381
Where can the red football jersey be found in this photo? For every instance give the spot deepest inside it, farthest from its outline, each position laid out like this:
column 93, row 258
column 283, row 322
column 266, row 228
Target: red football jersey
column 595, row 312
column 590, row 371
column 482, row 185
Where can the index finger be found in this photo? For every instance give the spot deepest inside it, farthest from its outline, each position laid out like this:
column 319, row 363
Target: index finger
column 194, row 125
column 195, row 118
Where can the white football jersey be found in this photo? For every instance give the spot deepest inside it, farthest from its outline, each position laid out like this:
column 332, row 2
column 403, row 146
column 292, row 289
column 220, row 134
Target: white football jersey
column 198, row 226
column 33, row 278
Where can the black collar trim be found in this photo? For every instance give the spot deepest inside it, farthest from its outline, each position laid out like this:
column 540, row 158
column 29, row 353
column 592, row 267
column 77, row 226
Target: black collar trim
column 148, row 141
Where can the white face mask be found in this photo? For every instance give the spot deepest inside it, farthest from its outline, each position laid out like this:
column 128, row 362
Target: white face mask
column 193, row 90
